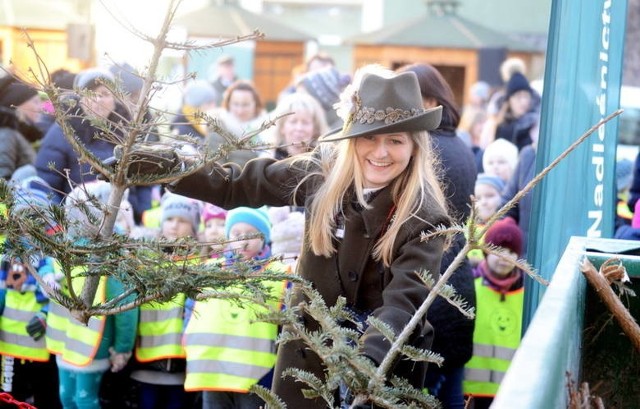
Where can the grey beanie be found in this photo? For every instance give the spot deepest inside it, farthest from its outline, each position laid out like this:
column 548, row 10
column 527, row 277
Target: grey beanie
column 92, row 78
column 199, row 93
column 126, row 76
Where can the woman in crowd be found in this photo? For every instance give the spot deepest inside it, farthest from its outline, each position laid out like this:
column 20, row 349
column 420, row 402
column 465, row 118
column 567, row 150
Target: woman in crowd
column 370, row 192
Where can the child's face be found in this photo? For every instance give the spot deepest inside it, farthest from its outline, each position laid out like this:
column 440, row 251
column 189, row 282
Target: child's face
column 245, row 249
column 499, row 166
column 488, row 200
column 502, row 266
column 176, row 228
column 213, row 231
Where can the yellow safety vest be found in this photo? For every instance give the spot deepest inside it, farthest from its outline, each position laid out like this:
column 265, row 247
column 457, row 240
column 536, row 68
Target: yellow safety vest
column 160, row 330
column 14, row 340
column 496, row 338
column 66, row 337
column 227, row 350
column 151, row 218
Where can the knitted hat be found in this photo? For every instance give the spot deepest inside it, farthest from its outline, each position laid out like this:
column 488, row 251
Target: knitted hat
column 210, row 211
column 505, row 233
column 288, row 234
column 491, row 180
column 14, row 92
column 199, row 93
column 517, row 82
column 257, row 218
column 86, row 204
column 624, row 174
column 225, row 59
column 500, row 147
column 126, row 76
column 481, row 90
column 173, row 205
column 325, row 85
column 92, row 78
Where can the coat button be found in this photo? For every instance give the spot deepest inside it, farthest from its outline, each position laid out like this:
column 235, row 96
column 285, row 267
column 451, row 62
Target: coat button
column 366, row 235
column 353, row 276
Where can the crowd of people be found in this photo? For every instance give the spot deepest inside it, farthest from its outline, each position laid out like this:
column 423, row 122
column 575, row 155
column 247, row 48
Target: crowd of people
column 353, row 173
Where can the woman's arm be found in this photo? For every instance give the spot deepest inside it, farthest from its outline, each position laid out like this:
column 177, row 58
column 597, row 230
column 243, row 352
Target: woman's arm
column 405, row 292
column 263, row 181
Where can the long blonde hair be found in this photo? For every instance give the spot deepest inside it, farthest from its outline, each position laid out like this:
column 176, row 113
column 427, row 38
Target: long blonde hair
column 340, row 172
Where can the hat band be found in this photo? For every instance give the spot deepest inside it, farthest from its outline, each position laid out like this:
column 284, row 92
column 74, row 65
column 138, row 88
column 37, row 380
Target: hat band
column 367, row 115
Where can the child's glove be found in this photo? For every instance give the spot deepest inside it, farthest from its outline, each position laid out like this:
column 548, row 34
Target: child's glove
column 118, row 359
column 37, row 326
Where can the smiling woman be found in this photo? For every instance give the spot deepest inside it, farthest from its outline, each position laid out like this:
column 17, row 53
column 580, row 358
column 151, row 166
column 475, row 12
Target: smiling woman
column 369, row 193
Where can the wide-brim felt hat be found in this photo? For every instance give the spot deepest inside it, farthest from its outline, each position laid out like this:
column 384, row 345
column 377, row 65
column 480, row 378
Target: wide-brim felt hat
column 386, row 105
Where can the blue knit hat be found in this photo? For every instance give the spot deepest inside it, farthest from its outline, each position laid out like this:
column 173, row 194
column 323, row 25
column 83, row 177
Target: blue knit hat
column 257, row 218
column 491, row 180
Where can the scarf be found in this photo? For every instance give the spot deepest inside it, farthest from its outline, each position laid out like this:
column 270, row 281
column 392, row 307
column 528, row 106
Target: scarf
column 503, row 285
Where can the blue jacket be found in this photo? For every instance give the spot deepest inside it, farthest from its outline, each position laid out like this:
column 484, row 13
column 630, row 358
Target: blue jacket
column 56, row 149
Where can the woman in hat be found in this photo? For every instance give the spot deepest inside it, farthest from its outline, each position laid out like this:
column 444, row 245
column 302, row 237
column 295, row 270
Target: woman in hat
column 20, row 110
column 369, row 192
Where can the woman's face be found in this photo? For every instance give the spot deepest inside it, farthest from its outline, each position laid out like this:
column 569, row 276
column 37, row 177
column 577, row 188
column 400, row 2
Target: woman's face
column 242, row 105
column 488, row 200
column 502, row 266
column 297, row 132
column 520, row 103
column 101, row 104
column 383, row 157
column 246, row 249
column 31, row 109
column 499, row 166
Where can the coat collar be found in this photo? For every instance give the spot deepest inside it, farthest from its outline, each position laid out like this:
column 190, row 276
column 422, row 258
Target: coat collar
column 377, row 217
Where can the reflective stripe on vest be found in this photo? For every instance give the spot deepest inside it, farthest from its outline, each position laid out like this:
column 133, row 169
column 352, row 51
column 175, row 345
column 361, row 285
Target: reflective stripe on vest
column 160, row 330
column 496, row 338
column 226, row 348
column 73, row 341
column 19, row 309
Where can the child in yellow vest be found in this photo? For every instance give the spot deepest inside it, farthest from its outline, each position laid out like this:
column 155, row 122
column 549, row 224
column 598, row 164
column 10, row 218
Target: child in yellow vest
column 160, row 358
column 27, row 369
column 84, row 353
column 228, row 351
column 499, row 289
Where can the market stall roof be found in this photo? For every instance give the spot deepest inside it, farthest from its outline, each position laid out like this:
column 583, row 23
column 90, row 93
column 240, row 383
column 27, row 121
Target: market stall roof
column 444, row 30
column 230, row 20
column 54, row 15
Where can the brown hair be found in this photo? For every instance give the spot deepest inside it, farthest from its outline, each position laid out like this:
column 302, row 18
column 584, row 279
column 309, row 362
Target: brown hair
column 243, row 85
column 433, row 85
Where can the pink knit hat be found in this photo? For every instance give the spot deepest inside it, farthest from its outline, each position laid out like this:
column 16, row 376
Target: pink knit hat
column 211, row 211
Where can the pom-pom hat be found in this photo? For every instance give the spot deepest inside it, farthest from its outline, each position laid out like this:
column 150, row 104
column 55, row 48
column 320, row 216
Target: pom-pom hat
column 505, row 233
column 386, row 105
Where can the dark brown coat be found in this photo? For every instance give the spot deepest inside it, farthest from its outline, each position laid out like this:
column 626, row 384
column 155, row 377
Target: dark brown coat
column 392, row 294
